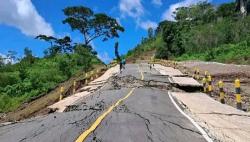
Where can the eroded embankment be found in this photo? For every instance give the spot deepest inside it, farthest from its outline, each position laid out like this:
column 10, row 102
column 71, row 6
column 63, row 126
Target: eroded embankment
column 227, row 73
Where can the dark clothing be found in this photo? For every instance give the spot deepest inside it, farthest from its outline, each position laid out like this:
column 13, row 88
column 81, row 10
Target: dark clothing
column 120, row 66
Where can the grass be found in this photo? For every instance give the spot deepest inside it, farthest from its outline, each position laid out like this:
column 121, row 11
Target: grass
column 38, row 79
column 229, row 53
column 148, row 46
column 41, row 102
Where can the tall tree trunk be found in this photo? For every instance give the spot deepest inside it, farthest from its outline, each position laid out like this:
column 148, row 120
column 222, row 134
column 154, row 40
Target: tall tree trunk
column 241, row 5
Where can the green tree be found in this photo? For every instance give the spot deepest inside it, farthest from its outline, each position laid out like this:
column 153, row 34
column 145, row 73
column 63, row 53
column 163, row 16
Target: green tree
column 64, row 44
column 85, row 55
column 1, row 61
column 200, row 13
column 11, row 57
column 150, row 33
column 58, row 45
column 65, row 67
column 226, row 10
column 22, row 72
column 52, row 50
column 241, row 5
column 169, row 32
column 49, row 39
column 28, row 56
column 91, row 25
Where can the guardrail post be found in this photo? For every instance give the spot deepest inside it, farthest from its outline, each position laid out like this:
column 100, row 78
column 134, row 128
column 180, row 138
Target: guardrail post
column 197, row 74
column 61, row 93
column 194, row 75
column 206, row 77
column 237, row 94
column 206, row 74
column 86, row 78
column 91, row 74
column 204, row 82
column 210, row 88
column 74, row 87
column 175, row 64
column 97, row 71
column 222, row 92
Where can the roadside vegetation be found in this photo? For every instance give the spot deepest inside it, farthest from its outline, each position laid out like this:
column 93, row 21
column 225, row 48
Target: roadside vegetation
column 24, row 79
column 201, row 32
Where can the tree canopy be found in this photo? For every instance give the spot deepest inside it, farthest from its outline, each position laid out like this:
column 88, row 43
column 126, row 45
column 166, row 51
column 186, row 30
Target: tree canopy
column 58, row 45
column 150, row 32
column 201, row 13
column 91, row 25
column 46, row 38
column 29, row 77
column 202, row 31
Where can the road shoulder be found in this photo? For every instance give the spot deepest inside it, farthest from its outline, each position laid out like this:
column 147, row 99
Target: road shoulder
column 223, row 122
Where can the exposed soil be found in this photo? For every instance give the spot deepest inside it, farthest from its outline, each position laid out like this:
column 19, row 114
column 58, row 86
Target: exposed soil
column 226, row 73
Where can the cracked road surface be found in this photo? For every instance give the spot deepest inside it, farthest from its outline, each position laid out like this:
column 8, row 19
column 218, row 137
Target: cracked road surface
column 146, row 115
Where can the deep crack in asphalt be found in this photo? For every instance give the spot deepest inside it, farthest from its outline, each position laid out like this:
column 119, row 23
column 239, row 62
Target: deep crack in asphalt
column 124, row 109
column 175, row 124
column 117, row 83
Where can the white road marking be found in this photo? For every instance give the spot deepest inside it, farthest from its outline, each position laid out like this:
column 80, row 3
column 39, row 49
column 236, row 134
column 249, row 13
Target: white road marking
column 204, row 134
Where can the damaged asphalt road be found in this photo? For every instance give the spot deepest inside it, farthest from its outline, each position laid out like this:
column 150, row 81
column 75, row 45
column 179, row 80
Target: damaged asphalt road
column 147, row 115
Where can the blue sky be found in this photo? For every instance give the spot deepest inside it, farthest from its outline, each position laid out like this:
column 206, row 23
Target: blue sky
column 21, row 20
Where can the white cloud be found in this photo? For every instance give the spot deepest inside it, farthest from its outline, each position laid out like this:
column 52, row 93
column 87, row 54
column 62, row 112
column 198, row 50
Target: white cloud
column 169, row 13
column 135, row 9
column 23, row 15
column 104, row 57
column 5, row 59
column 147, row 24
column 132, row 8
column 157, row 2
column 2, row 55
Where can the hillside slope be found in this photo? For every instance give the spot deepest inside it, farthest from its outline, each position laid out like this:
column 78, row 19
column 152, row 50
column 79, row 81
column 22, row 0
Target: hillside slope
column 24, row 81
column 201, row 32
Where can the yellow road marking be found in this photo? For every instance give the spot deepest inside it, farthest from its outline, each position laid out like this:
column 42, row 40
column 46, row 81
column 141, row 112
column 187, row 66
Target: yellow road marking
column 97, row 122
column 84, row 135
column 142, row 76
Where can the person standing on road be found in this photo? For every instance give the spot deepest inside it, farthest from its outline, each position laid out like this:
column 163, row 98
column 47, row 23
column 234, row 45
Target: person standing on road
column 124, row 63
column 120, row 66
column 118, row 56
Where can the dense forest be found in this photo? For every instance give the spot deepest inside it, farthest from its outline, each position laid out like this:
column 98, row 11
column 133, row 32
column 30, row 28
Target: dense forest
column 25, row 78
column 201, row 32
